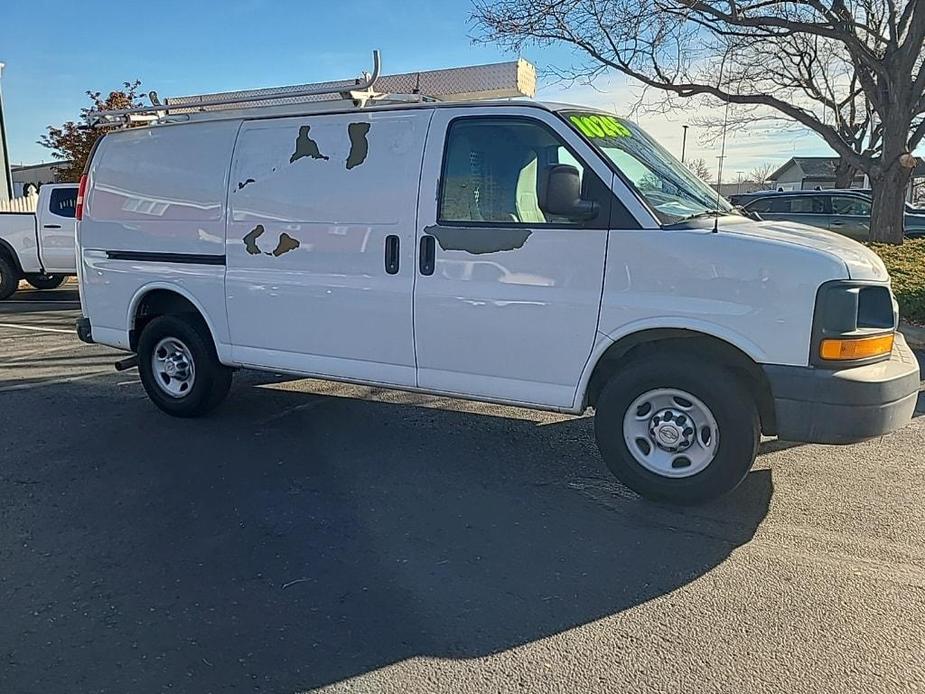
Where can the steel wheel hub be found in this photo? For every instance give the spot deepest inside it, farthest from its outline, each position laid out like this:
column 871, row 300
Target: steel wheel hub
column 173, row 367
column 671, row 429
column 670, row 432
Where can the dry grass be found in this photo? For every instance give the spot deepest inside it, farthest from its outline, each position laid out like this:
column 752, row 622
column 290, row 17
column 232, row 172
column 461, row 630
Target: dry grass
column 906, row 265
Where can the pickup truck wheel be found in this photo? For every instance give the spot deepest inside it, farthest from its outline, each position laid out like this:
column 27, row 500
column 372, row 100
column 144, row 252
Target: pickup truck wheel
column 674, row 428
column 9, row 278
column 179, row 368
column 45, row 281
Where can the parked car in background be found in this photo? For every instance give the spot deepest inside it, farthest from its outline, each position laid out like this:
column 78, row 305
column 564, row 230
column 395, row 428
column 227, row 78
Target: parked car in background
column 39, row 248
column 844, row 211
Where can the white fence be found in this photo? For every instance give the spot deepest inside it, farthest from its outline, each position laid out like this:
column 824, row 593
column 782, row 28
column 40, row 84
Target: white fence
column 26, row 204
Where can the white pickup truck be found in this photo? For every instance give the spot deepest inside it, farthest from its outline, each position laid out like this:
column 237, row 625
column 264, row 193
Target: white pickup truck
column 39, row 248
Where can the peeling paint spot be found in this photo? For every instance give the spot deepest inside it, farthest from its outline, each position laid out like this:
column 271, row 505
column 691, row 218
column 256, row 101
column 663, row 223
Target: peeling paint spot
column 306, row 146
column 286, row 244
column 247, row 182
column 250, row 239
column 359, row 145
column 478, row 240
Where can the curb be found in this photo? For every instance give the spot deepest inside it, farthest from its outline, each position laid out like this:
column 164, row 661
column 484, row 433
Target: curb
column 915, row 336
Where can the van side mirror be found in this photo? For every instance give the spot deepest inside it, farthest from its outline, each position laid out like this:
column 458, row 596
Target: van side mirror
column 561, row 196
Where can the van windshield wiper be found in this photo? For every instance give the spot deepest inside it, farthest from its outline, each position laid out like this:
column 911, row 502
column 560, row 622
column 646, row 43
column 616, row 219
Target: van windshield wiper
column 719, row 213
column 707, row 213
column 700, row 215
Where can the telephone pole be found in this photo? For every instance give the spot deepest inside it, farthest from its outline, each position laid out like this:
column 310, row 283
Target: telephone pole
column 6, row 178
column 684, row 144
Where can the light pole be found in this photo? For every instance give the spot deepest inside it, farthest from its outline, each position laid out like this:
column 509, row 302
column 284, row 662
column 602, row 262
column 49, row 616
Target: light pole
column 6, row 180
column 684, row 144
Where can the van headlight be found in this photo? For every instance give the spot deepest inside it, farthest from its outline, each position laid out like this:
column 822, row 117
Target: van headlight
column 854, row 322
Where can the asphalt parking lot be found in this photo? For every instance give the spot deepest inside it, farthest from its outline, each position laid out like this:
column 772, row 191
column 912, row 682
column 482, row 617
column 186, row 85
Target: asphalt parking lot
column 312, row 535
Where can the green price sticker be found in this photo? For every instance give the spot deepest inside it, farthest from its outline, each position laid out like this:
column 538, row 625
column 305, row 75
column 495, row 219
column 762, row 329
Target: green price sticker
column 596, row 126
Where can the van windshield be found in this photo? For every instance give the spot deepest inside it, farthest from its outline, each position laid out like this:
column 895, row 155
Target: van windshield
column 673, row 192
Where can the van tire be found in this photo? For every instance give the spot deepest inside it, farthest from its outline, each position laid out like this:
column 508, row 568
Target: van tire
column 45, row 281
column 9, row 277
column 190, row 337
column 716, row 398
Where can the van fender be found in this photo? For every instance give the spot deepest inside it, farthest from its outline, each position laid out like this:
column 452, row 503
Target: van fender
column 606, row 339
column 223, row 350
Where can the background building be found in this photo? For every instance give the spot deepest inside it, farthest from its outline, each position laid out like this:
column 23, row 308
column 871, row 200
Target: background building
column 809, row 173
column 35, row 174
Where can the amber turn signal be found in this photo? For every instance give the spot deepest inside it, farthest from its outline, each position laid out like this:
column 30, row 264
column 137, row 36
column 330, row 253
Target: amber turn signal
column 856, row 347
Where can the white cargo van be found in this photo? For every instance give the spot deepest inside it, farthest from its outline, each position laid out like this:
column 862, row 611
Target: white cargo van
column 39, row 248
column 542, row 255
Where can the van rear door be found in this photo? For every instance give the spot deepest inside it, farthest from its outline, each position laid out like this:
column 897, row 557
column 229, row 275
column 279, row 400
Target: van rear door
column 320, row 244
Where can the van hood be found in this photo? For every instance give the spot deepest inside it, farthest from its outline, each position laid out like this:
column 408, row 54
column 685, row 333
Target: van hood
column 862, row 263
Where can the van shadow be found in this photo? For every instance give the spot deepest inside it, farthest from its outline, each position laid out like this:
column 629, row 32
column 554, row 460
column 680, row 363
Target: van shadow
column 294, row 540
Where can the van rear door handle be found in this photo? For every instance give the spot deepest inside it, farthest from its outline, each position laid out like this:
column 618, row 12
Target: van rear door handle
column 51, row 226
column 392, row 244
column 428, row 251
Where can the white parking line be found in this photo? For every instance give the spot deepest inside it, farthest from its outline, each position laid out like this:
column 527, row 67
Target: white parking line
column 37, row 328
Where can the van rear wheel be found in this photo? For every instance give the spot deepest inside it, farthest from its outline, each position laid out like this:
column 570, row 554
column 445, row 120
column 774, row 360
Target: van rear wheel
column 179, row 368
column 677, row 428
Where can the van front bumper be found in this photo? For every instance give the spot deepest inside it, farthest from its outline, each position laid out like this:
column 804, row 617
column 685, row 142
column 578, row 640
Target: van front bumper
column 815, row 405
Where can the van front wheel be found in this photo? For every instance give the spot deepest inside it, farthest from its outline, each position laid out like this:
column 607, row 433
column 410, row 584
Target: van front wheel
column 676, row 428
column 179, row 368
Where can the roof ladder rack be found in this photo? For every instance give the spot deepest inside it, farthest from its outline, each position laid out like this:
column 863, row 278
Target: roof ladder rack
column 359, row 91
column 499, row 80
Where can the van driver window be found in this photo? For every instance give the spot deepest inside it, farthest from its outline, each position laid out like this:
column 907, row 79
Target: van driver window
column 494, row 171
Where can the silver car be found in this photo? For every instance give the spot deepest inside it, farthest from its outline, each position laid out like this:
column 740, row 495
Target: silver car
column 844, row 211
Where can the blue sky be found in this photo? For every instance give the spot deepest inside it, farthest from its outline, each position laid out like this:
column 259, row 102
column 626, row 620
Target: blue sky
column 54, row 51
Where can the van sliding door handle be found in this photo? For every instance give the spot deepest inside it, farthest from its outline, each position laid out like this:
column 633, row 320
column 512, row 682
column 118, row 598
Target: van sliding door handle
column 392, row 245
column 428, row 251
column 51, row 226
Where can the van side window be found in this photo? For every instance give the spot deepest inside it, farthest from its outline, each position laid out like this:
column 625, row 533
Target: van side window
column 494, row 170
column 63, row 202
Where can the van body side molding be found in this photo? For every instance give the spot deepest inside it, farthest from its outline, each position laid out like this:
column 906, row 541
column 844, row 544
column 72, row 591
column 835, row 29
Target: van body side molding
column 149, row 257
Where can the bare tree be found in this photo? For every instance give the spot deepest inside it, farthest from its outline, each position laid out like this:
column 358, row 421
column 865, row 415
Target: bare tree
column 700, row 169
column 865, row 55
column 827, row 85
column 761, row 174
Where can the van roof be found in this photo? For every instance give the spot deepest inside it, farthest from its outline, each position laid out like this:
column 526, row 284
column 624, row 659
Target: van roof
column 341, row 106
column 345, row 106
